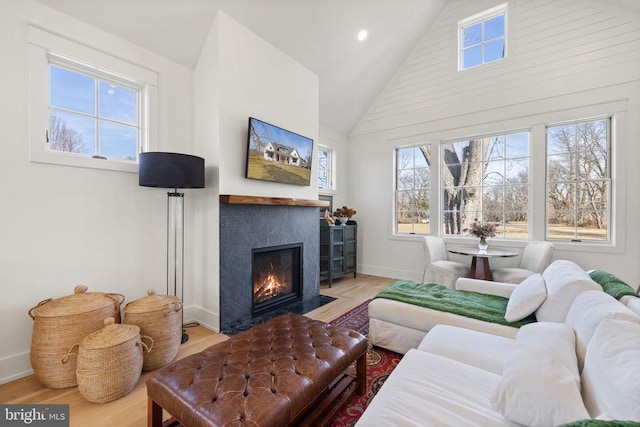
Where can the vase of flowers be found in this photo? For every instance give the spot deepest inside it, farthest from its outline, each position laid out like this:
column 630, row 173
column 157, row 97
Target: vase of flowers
column 344, row 214
column 481, row 231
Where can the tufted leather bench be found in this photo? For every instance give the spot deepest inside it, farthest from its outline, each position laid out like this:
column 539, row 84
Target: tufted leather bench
column 288, row 371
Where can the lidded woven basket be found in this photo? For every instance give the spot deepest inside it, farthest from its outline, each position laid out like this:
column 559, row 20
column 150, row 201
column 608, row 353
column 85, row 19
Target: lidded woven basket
column 110, row 361
column 62, row 322
column 159, row 317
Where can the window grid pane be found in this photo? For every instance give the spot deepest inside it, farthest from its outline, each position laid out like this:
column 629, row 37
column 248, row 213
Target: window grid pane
column 89, row 115
column 413, row 180
column 483, row 41
column 481, row 180
column 578, row 181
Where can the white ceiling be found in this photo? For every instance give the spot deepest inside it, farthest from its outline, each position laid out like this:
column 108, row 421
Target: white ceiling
column 320, row 34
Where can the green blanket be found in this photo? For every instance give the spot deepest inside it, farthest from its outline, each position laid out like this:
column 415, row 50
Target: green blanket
column 611, row 284
column 488, row 308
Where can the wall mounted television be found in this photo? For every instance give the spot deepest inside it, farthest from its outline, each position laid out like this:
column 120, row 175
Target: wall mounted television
column 278, row 155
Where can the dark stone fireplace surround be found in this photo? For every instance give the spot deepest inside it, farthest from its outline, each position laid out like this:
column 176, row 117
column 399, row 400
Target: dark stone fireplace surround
column 248, row 222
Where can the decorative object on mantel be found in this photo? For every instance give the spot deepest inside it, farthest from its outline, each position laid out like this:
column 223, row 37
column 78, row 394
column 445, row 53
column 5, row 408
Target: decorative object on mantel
column 481, row 231
column 173, row 170
column 344, row 214
column 329, row 218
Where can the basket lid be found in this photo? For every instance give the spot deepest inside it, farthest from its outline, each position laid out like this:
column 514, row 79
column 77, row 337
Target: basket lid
column 79, row 302
column 111, row 335
column 151, row 303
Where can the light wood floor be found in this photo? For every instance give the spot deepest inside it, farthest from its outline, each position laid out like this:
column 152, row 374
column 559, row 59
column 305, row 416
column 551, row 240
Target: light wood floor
column 131, row 410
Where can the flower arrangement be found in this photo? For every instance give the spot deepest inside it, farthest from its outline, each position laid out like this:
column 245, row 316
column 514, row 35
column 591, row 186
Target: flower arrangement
column 481, row 230
column 344, row 212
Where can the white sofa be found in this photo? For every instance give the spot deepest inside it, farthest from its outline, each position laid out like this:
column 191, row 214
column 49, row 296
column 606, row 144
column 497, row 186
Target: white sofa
column 585, row 365
column 399, row 326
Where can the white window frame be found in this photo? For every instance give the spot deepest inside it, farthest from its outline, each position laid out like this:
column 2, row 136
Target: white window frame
column 482, row 186
column 330, row 168
column 481, row 17
column 46, row 48
column 610, row 174
column 433, row 168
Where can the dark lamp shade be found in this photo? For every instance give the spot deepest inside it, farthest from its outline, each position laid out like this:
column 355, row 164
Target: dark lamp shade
column 170, row 170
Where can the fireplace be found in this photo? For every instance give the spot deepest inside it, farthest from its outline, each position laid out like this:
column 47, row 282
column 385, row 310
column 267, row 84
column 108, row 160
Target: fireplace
column 276, row 277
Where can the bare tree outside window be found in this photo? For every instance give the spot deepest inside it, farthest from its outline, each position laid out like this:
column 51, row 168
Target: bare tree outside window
column 487, row 178
column 413, row 180
column 63, row 137
column 578, row 181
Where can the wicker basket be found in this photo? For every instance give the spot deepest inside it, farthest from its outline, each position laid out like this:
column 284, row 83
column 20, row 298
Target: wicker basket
column 110, row 361
column 160, row 317
column 62, row 322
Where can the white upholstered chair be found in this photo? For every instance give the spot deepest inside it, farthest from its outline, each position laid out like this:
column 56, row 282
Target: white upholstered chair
column 438, row 268
column 535, row 258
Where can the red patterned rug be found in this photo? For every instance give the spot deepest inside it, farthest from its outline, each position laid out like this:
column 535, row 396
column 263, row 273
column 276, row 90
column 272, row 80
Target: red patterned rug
column 380, row 364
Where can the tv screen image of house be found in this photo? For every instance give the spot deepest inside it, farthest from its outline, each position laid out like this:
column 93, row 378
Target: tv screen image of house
column 278, row 155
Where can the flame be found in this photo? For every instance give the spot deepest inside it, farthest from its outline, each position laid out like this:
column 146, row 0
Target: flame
column 270, row 287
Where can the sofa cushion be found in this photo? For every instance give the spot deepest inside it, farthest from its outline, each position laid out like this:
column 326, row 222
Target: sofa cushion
column 480, row 349
column 526, row 298
column 611, row 374
column 564, row 281
column 428, row 389
column 588, row 310
column 540, row 384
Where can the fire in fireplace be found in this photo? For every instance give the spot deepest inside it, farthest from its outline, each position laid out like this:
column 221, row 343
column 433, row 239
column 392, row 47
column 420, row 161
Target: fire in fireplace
column 277, row 276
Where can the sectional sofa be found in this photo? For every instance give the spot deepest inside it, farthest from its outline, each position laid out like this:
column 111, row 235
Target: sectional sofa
column 578, row 363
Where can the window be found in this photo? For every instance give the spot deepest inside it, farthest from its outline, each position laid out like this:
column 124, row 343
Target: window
column 487, row 178
column 413, row 181
column 91, row 114
column 325, row 168
column 482, row 38
column 88, row 108
column 578, row 181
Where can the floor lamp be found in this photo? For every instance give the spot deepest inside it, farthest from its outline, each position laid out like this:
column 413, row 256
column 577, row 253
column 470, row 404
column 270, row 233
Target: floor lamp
column 173, row 170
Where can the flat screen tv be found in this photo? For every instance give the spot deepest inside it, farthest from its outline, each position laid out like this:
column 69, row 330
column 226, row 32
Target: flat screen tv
column 278, row 155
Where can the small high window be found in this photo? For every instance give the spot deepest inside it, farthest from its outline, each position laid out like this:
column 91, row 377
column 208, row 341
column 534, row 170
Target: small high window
column 92, row 115
column 482, row 38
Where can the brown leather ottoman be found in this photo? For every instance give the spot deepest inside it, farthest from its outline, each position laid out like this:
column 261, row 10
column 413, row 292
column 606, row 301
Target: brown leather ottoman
column 288, row 371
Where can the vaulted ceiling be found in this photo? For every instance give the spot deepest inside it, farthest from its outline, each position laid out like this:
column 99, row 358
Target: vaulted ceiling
column 320, row 34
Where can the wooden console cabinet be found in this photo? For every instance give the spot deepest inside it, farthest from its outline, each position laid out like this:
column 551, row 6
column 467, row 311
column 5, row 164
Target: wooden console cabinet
column 338, row 250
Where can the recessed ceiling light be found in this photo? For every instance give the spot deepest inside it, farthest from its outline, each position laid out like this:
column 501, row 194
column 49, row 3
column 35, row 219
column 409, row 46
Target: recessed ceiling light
column 362, row 35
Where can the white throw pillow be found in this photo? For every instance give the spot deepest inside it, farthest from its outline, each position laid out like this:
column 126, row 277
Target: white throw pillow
column 526, row 298
column 611, row 374
column 588, row 310
column 564, row 281
column 540, row 384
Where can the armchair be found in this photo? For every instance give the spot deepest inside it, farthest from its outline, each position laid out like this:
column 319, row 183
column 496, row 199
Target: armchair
column 535, row 258
column 438, row 268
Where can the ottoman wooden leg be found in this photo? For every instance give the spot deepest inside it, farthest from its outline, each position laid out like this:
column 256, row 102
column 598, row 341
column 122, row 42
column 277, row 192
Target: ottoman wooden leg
column 361, row 373
column 154, row 414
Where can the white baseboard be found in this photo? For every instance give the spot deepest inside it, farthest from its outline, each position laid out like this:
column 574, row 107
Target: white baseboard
column 390, row 272
column 206, row 318
column 15, row 367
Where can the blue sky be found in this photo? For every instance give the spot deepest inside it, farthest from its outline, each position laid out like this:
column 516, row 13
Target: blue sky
column 303, row 145
column 81, row 98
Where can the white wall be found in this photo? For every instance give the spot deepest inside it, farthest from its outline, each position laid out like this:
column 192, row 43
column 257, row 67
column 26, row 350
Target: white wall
column 566, row 60
column 239, row 75
column 61, row 225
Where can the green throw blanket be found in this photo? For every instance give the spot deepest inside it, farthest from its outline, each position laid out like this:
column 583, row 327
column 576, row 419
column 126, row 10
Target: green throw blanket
column 488, row 308
column 611, row 284
column 602, row 423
